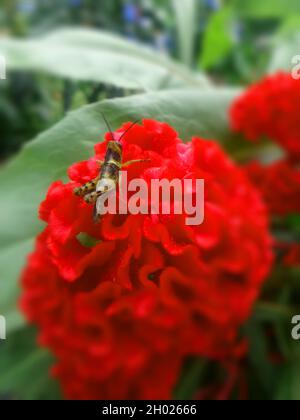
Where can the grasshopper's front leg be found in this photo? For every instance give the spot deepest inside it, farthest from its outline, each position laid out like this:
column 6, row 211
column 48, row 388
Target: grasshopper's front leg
column 132, row 162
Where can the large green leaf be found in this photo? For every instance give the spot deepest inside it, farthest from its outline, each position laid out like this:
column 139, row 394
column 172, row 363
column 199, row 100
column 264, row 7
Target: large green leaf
column 97, row 56
column 24, row 368
column 12, row 259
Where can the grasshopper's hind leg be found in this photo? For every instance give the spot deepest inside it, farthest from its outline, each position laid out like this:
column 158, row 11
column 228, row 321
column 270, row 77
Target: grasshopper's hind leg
column 87, row 188
column 90, row 186
column 96, row 216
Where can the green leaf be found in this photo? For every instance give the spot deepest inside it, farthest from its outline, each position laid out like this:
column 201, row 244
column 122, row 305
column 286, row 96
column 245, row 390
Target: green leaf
column 288, row 384
column 24, row 368
column 191, row 379
column 259, row 356
column 87, row 240
column 12, row 259
column 289, row 26
column 97, row 56
column 218, row 38
column 272, row 312
column 293, row 222
column 258, row 9
column 186, row 14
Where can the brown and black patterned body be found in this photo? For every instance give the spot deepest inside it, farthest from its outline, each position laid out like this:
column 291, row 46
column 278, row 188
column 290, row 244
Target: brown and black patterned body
column 110, row 169
column 108, row 178
column 112, row 162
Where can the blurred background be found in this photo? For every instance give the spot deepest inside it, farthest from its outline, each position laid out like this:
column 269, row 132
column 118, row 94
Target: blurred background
column 125, row 47
column 233, row 41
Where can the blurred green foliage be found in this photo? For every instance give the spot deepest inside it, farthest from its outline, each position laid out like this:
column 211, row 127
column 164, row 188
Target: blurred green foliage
column 233, row 41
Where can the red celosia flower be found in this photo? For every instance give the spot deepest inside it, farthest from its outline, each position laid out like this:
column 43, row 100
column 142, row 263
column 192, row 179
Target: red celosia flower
column 279, row 184
column 121, row 315
column 271, row 108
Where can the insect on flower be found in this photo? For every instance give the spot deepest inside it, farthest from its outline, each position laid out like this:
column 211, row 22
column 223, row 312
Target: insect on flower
column 108, row 177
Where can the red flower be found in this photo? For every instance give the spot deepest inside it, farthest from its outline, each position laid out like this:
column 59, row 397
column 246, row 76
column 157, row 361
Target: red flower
column 121, row 315
column 279, row 184
column 271, row 108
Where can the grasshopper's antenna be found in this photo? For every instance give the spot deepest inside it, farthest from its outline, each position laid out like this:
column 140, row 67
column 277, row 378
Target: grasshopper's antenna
column 128, row 129
column 108, row 126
